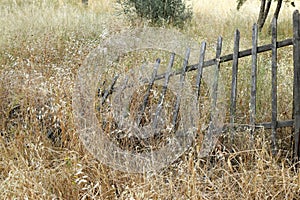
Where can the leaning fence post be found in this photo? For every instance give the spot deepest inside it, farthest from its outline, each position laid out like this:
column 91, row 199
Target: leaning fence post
column 274, row 85
column 253, row 79
column 200, row 69
column 149, row 88
column 212, row 129
column 296, row 89
column 209, row 137
column 182, row 80
column 234, row 82
column 164, row 92
column 216, row 75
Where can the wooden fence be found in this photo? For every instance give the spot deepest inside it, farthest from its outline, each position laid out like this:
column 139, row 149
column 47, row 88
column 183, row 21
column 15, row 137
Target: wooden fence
column 253, row 52
column 274, row 124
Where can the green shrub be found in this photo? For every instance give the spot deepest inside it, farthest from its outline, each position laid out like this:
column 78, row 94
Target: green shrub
column 158, row 12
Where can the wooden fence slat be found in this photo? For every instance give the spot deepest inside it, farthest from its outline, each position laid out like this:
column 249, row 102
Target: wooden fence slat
column 253, row 78
column 164, row 91
column 200, row 70
column 212, row 129
column 234, row 81
column 296, row 88
column 110, row 90
column 146, row 97
column 274, row 85
column 182, row 80
column 215, row 87
column 217, row 72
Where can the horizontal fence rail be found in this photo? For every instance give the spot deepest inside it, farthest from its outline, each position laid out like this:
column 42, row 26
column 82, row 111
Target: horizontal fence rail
column 229, row 57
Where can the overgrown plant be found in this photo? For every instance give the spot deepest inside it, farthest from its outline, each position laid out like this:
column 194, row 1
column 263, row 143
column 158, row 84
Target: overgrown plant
column 158, row 12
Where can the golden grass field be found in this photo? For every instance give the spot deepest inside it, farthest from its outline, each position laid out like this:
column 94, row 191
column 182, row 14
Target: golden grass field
column 42, row 45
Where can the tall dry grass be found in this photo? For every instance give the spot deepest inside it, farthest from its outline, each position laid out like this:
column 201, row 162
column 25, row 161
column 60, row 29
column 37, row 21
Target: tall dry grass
column 42, row 45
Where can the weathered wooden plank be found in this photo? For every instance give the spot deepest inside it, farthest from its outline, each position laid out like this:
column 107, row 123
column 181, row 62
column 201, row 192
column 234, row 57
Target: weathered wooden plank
column 253, row 77
column 280, row 124
column 233, row 95
column 246, row 53
column 265, row 125
column 146, row 97
column 229, row 57
column 182, row 80
column 217, row 73
column 164, row 91
column 109, row 90
column 200, row 70
column 212, row 129
column 274, row 85
column 296, row 104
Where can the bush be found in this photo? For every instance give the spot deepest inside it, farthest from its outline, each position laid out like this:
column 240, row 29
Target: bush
column 158, row 12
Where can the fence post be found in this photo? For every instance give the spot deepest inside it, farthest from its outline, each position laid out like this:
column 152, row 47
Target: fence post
column 216, row 75
column 234, row 82
column 149, row 88
column 200, row 69
column 182, row 80
column 212, row 129
column 296, row 89
column 274, row 85
column 253, row 79
column 164, row 92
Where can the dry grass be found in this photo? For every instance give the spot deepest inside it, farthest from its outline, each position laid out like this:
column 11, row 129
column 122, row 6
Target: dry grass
column 42, row 45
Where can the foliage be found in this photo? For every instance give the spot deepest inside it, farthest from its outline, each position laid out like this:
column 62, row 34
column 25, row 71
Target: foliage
column 158, row 12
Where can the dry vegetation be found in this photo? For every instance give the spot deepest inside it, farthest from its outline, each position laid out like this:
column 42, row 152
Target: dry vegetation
column 42, row 45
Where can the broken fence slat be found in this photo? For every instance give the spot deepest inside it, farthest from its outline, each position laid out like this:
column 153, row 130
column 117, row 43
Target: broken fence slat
column 217, row 73
column 182, row 80
column 211, row 130
column 164, row 91
column 200, row 70
column 110, row 90
column 146, row 97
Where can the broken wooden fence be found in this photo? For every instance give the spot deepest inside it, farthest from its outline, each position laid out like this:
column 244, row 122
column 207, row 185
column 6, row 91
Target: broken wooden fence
column 253, row 52
column 274, row 124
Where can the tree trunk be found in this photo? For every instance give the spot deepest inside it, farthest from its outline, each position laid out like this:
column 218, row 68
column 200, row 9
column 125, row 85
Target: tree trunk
column 278, row 7
column 263, row 13
column 276, row 14
column 85, row 2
